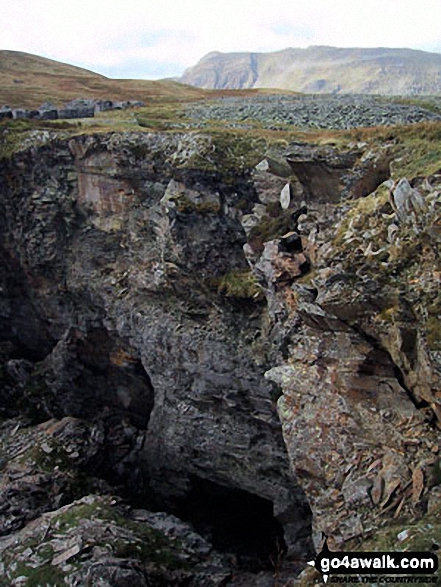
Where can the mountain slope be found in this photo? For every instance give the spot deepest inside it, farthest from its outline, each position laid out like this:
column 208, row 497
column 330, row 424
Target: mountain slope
column 29, row 80
column 322, row 70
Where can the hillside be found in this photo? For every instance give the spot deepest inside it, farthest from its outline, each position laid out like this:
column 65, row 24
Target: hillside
column 29, row 80
column 322, row 70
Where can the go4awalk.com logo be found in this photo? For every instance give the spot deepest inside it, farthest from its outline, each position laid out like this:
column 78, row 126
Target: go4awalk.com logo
column 375, row 564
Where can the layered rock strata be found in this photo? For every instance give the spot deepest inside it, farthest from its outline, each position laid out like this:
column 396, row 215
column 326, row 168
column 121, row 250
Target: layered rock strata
column 355, row 290
column 116, row 250
column 159, row 367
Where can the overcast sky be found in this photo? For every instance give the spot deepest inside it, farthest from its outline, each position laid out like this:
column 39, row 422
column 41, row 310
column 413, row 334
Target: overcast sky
column 151, row 39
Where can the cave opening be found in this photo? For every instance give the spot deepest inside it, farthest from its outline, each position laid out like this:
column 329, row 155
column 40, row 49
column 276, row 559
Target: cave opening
column 235, row 522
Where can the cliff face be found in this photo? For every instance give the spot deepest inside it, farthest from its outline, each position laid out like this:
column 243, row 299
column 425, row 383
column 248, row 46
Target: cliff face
column 322, row 70
column 115, row 251
column 135, row 335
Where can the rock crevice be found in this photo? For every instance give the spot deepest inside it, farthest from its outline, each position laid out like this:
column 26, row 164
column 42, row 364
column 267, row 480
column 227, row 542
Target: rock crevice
column 125, row 261
column 208, row 339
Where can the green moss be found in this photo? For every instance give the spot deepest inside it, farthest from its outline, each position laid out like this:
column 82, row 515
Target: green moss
column 47, row 461
column 143, row 544
column 152, row 547
column 360, row 213
column 228, row 154
column 14, row 132
column 239, row 284
column 433, row 327
column 184, row 204
column 156, row 115
column 11, row 139
column 40, row 576
column 422, row 536
column 415, row 536
column 151, row 123
column 415, row 148
column 269, row 228
column 238, row 151
column 420, row 150
column 44, row 575
column 70, row 518
column 46, row 552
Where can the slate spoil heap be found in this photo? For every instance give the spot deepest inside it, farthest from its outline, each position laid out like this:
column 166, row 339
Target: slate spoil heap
column 207, row 361
column 278, row 111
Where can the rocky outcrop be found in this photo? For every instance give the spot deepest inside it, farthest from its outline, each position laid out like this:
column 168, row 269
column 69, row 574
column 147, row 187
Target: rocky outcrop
column 142, row 358
column 357, row 300
column 101, row 541
column 117, row 249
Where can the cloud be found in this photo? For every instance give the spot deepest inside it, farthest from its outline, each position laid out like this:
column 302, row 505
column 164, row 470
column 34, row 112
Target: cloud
column 170, row 35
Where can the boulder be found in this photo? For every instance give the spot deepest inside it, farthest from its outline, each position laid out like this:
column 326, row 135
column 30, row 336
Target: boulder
column 275, row 165
column 407, row 200
column 285, row 196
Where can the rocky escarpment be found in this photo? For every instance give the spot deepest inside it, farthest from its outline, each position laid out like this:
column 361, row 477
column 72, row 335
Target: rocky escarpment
column 126, row 306
column 356, row 286
column 141, row 358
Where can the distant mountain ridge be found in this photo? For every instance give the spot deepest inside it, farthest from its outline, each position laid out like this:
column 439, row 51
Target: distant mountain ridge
column 322, row 70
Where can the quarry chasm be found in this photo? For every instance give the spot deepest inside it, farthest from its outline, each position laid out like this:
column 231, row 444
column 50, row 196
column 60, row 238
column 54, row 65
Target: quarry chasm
column 197, row 382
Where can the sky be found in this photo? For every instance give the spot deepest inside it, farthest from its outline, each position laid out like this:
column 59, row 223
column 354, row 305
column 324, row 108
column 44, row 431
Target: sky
column 153, row 39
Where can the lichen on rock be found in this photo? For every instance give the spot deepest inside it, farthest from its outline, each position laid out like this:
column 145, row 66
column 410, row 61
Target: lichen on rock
column 360, row 405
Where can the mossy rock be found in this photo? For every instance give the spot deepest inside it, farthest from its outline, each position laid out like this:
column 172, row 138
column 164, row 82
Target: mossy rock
column 46, row 575
column 186, row 205
column 423, row 535
column 91, row 522
column 270, row 227
column 145, row 544
column 229, row 154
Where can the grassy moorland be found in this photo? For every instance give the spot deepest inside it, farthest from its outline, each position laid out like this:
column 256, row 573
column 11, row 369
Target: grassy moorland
column 29, row 80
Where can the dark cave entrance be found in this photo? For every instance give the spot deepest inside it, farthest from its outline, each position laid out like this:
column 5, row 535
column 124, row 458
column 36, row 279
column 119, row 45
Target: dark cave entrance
column 235, row 521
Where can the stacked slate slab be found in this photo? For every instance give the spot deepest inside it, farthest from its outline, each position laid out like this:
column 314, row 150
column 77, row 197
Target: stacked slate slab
column 78, row 108
column 5, row 114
